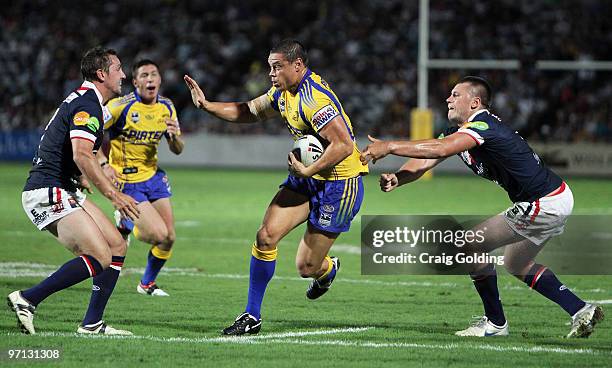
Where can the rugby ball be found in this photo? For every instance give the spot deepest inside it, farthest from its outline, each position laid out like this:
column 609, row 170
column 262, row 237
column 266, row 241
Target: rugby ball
column 307, row 149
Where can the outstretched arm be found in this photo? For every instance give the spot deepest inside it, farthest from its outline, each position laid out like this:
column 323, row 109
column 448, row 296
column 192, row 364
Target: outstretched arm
column 427, row 148
column 409, row 172
column 236, row 112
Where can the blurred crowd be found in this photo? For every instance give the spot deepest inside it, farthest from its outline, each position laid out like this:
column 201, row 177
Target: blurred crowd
column 365, row 49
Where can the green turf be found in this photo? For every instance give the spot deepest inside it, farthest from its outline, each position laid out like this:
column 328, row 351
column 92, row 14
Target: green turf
column 406, row 320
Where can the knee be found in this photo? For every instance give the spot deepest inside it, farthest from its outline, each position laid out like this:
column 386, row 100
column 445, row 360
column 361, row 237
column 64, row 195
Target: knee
column 170, row 239
column 306, row 269
column 266, row 240
column 155, row 236
column 118, row 245
column 517, row 268
column 103, row 256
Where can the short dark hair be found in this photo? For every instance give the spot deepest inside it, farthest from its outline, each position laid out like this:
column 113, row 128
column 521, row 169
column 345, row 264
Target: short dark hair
column 482, row 87
column 292, row 49
column 94, row 59
column 143, row 62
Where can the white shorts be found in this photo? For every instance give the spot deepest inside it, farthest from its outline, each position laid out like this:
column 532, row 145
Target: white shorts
column 543, row 218
column 46, row 205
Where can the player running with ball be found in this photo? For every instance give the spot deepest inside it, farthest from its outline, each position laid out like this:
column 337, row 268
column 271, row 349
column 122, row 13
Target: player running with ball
column 326, row 194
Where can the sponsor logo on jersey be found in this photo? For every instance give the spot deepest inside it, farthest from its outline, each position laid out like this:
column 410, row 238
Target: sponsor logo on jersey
column 141, row 135
column 57, row 208
column 281, row 104
column 328, row 208
column 480, row 125
column 93, row 124
column 39, row 218
column 325, row 219
column 81, row 118
column 323, row 116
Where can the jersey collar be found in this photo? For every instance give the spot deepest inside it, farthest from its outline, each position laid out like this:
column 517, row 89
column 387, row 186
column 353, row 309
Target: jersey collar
column 476, row 113
column 88, row 85
column 139, row 99
column 306, row 75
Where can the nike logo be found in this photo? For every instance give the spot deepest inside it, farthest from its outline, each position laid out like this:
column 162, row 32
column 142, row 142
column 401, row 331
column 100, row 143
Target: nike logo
column 247, row 328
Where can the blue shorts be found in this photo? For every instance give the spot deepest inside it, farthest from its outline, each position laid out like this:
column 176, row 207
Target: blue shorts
column 157, row 187
column 333, row 203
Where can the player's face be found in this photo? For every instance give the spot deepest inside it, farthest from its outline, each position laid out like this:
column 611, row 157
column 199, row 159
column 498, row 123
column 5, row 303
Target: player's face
column 460, row 103
column 284, row 75
column 114, row 76
column 147, row 81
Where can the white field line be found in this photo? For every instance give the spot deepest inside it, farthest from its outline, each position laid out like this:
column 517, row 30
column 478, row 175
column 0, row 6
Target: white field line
column 26, row 269
column 224, row 339
column 402, row 345
column 607, row 301
column 289, row 338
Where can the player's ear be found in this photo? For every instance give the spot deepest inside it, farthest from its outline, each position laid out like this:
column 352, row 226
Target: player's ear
column 101, row 75
column 475, row 103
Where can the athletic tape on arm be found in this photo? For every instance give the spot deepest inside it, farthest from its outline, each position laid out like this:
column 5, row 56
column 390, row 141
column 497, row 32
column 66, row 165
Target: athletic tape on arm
column 261, row 107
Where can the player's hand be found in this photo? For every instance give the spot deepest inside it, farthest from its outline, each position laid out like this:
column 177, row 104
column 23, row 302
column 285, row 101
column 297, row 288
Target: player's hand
column 388, row 182
column 111, row 174
column 84, row 184
column 197, row 95
column 374, row 151
column 125, row 204
column 172, row 128
column 297, row 168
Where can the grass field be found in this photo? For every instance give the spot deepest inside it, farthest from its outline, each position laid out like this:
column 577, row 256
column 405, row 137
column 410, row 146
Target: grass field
column 364, row 321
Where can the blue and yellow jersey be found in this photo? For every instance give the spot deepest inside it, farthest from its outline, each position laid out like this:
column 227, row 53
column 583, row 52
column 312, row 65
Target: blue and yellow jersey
column 312, row 107
column 135, row 130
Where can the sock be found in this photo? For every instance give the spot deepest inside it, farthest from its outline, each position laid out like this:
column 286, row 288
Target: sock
column 544, row 281
column 103, row 286
column 485, row 281
column 70, row 273
column 263, row 263
column 330, row 273
column 155, row 261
